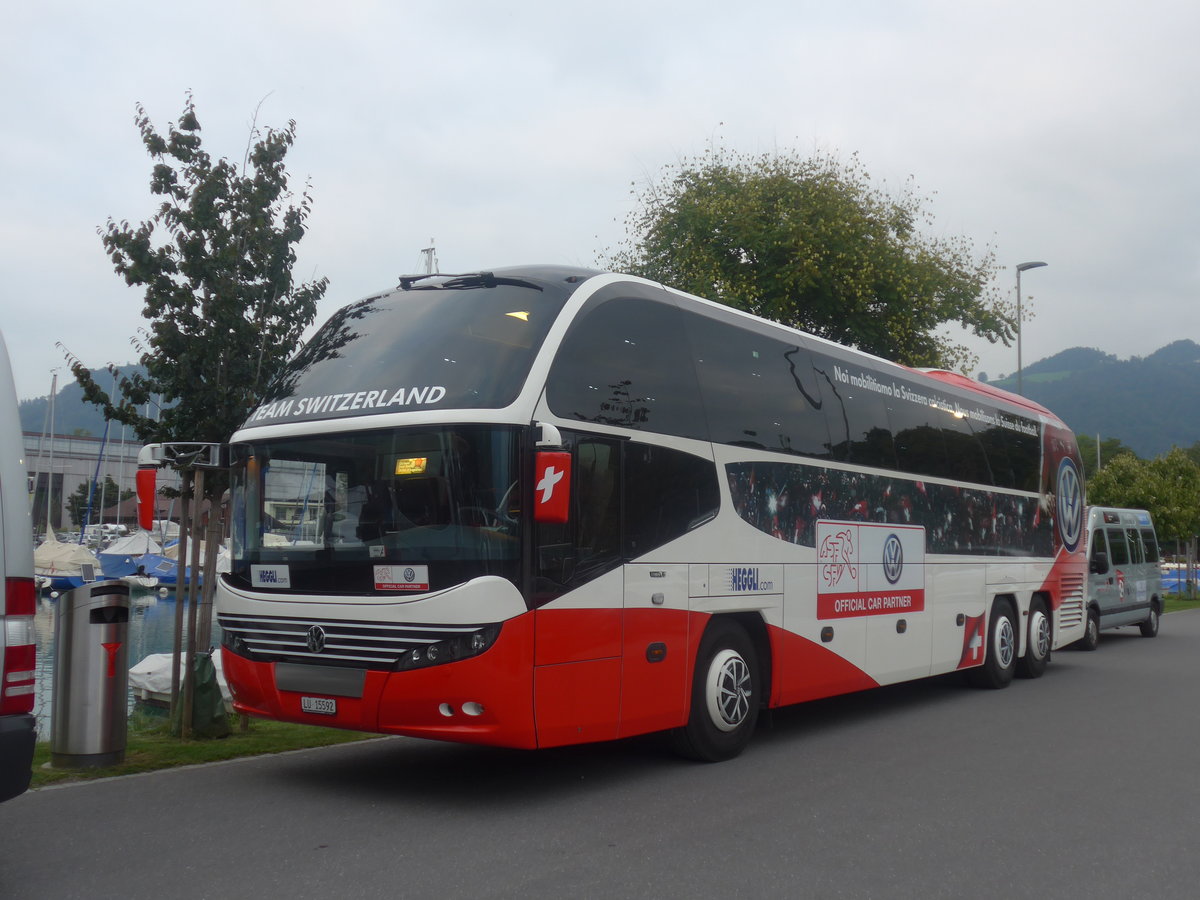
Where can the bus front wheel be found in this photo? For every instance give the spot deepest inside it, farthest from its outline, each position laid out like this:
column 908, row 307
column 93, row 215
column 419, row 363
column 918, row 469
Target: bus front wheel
column 725, row 696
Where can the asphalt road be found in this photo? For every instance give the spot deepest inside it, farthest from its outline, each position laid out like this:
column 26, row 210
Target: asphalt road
column 1084, row 783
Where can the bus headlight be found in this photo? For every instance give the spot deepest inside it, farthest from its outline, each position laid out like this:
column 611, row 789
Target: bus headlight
column 462, row 646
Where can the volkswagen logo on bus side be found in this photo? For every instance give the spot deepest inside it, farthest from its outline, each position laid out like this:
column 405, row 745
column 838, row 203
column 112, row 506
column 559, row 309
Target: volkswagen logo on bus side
column 893, row 559
column 316, row 639
column 1069, row 504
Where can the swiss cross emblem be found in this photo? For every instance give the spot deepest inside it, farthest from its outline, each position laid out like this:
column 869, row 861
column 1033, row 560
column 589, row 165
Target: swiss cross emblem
column 552, row 486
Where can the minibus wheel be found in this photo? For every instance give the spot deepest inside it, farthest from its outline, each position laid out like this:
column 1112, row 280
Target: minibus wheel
column 1150, row 625
column 1091, row 632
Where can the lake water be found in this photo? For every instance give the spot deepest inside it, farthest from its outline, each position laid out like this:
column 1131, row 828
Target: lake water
column 151, row 630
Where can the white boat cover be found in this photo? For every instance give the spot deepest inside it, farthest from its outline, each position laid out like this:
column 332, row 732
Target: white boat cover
column 54, row 558
column 133, row 545
column 153, row 674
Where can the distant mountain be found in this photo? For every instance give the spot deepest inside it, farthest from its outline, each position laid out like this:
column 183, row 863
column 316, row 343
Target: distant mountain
column 1150, row 403
column 71, row 414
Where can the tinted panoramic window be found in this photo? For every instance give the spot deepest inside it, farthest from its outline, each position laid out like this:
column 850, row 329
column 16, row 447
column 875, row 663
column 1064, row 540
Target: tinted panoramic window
column 964, row 452
column 758, row 391
column 626, row 362
column 917, row 434
column 1025, row 455
column 430, row 347
column 855, row 413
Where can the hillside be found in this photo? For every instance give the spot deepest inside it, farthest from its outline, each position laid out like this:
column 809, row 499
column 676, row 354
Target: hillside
column 1150, row 403
column 71, row 414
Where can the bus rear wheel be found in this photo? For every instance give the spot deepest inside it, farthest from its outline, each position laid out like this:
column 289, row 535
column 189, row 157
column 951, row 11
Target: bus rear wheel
column 1001, row 661
column 725, row 696
column 1038, row 643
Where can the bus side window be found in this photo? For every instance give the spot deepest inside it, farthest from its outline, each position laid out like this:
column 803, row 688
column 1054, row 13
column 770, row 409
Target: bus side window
column 626, row 362
column 964, row 452
column 1118, row 549
column 920, row 443
column 588, row 544
column 758, row 392
column 667, row 494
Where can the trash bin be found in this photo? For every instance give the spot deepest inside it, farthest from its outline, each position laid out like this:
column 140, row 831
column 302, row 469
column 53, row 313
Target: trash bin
column 91, row 676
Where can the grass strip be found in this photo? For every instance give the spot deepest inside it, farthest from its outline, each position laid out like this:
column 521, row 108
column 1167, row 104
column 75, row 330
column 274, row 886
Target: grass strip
column 150, row 746
column 1177, row 602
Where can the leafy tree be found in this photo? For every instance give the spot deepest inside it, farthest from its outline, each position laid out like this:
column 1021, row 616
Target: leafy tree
column 1168, row 486
column 106, row 494
column 810, row 242
column 215, row 262
column 1110, row 448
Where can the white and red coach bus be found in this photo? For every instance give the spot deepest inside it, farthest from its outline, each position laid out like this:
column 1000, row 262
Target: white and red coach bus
column 544, row 506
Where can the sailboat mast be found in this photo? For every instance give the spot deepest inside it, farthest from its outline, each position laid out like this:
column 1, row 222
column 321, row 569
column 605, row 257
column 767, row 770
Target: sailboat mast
column 50, row 467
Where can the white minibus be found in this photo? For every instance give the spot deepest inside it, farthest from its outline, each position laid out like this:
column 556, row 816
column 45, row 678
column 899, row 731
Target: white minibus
column 1124, row 580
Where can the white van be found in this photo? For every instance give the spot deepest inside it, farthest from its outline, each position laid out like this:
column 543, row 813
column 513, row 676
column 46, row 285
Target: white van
column 18, row 601
column 1124, row 579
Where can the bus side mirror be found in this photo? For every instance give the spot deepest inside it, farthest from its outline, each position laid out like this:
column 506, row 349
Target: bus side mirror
column 552, row 486
column 146, row 489
column 1099, row 563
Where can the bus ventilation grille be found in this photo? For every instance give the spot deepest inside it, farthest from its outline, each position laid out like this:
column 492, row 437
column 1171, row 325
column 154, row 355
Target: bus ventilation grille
column 1071, row 611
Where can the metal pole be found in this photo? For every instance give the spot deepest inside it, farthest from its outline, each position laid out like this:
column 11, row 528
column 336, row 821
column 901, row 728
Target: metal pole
column 1020, row 384
column 50, row 470
column 192, row 572
column 180, row 594
column 1021, row 267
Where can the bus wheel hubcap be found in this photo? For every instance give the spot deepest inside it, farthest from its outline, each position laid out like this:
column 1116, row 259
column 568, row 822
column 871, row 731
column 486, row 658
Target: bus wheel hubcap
column 728, row 690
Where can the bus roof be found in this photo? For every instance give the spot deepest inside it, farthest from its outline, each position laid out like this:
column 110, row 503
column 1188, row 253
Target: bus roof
column 979, row 387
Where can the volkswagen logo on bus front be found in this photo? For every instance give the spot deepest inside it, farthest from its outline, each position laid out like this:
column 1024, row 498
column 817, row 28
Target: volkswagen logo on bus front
column 893, row 559
column 316, row 639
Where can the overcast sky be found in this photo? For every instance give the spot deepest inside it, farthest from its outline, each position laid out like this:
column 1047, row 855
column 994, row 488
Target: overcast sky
column 514, row 132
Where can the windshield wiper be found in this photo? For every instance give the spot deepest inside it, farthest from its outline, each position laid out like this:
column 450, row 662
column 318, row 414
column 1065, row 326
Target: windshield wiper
column 458, row 282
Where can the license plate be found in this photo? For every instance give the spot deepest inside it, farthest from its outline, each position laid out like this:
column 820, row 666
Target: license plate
column 322, row 706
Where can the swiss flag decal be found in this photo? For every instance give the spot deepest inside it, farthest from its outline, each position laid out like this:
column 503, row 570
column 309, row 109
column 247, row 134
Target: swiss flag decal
column 552, row 486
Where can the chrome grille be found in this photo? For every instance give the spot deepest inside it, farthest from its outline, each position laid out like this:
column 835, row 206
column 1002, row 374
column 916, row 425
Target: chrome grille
column 358, row 644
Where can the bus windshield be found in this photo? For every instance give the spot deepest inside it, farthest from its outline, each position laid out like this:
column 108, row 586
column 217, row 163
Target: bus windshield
column 451, row 344
column 405, row 510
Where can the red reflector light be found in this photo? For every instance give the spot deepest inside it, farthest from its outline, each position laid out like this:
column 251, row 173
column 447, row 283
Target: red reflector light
column 20, row 597
column 17, row 679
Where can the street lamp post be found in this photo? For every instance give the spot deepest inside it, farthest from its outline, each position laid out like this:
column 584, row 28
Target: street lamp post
column 1021, row 267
